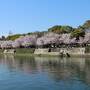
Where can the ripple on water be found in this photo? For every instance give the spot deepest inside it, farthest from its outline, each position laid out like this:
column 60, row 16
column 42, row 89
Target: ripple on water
column 43, row 73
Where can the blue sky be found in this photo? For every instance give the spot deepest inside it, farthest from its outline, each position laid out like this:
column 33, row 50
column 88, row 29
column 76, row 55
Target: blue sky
column 23, row 16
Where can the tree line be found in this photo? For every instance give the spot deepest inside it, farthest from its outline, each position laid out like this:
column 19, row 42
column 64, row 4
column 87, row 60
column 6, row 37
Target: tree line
column 58, row 29
column 56, row 36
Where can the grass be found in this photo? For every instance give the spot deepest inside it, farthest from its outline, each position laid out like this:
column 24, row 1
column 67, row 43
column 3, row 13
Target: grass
column 25, row 50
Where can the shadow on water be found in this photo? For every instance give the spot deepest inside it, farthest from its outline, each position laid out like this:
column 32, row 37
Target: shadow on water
column 57, row 69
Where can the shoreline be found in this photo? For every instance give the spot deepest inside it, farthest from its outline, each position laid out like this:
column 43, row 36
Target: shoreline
column 73, row 52
column 46, row 55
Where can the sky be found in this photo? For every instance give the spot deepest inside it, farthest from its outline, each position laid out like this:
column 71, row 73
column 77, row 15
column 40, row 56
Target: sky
column 23, row 16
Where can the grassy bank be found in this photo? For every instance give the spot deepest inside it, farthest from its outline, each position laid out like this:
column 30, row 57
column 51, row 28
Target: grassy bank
column 1, row 51
column 22, row 50
column 25, row 50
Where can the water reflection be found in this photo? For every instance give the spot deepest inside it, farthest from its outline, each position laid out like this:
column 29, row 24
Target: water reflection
column 63, row 68
column 57, row 69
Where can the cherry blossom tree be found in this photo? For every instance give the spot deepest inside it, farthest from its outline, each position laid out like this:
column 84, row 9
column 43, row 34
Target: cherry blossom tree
column 40, row 41
column 87, row 38
column 6, row 44
column 65, row 38
column 49, row 38
column 29, row 40
column 73, row 41
column 25, row 41
column 16, row 44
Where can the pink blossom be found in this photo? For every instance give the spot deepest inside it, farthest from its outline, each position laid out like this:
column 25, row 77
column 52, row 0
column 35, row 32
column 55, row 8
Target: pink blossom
column 7, row 44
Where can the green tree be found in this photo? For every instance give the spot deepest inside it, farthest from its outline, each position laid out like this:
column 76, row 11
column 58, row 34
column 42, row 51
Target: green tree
column 67, row 29
column 39, row 34
column 13, row 37
column 61, row 29
column 77, row 33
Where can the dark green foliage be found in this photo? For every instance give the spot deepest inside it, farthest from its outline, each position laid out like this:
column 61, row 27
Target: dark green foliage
column 77, row 33
column 13, row 37
column 54, row 28
column 60, row 29
column 39, row 34
column 67, row 29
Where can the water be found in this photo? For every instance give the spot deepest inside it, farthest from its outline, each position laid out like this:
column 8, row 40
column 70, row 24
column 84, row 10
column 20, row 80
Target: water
column 44, row 73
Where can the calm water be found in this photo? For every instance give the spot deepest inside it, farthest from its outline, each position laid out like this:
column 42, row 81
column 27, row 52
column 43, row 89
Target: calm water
column 44, row 73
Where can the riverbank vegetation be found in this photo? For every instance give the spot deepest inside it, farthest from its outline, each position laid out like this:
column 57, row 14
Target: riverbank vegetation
column 56, row 36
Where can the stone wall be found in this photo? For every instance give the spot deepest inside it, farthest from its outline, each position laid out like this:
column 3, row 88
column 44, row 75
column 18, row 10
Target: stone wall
column 74, row 51
column 57, row 51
